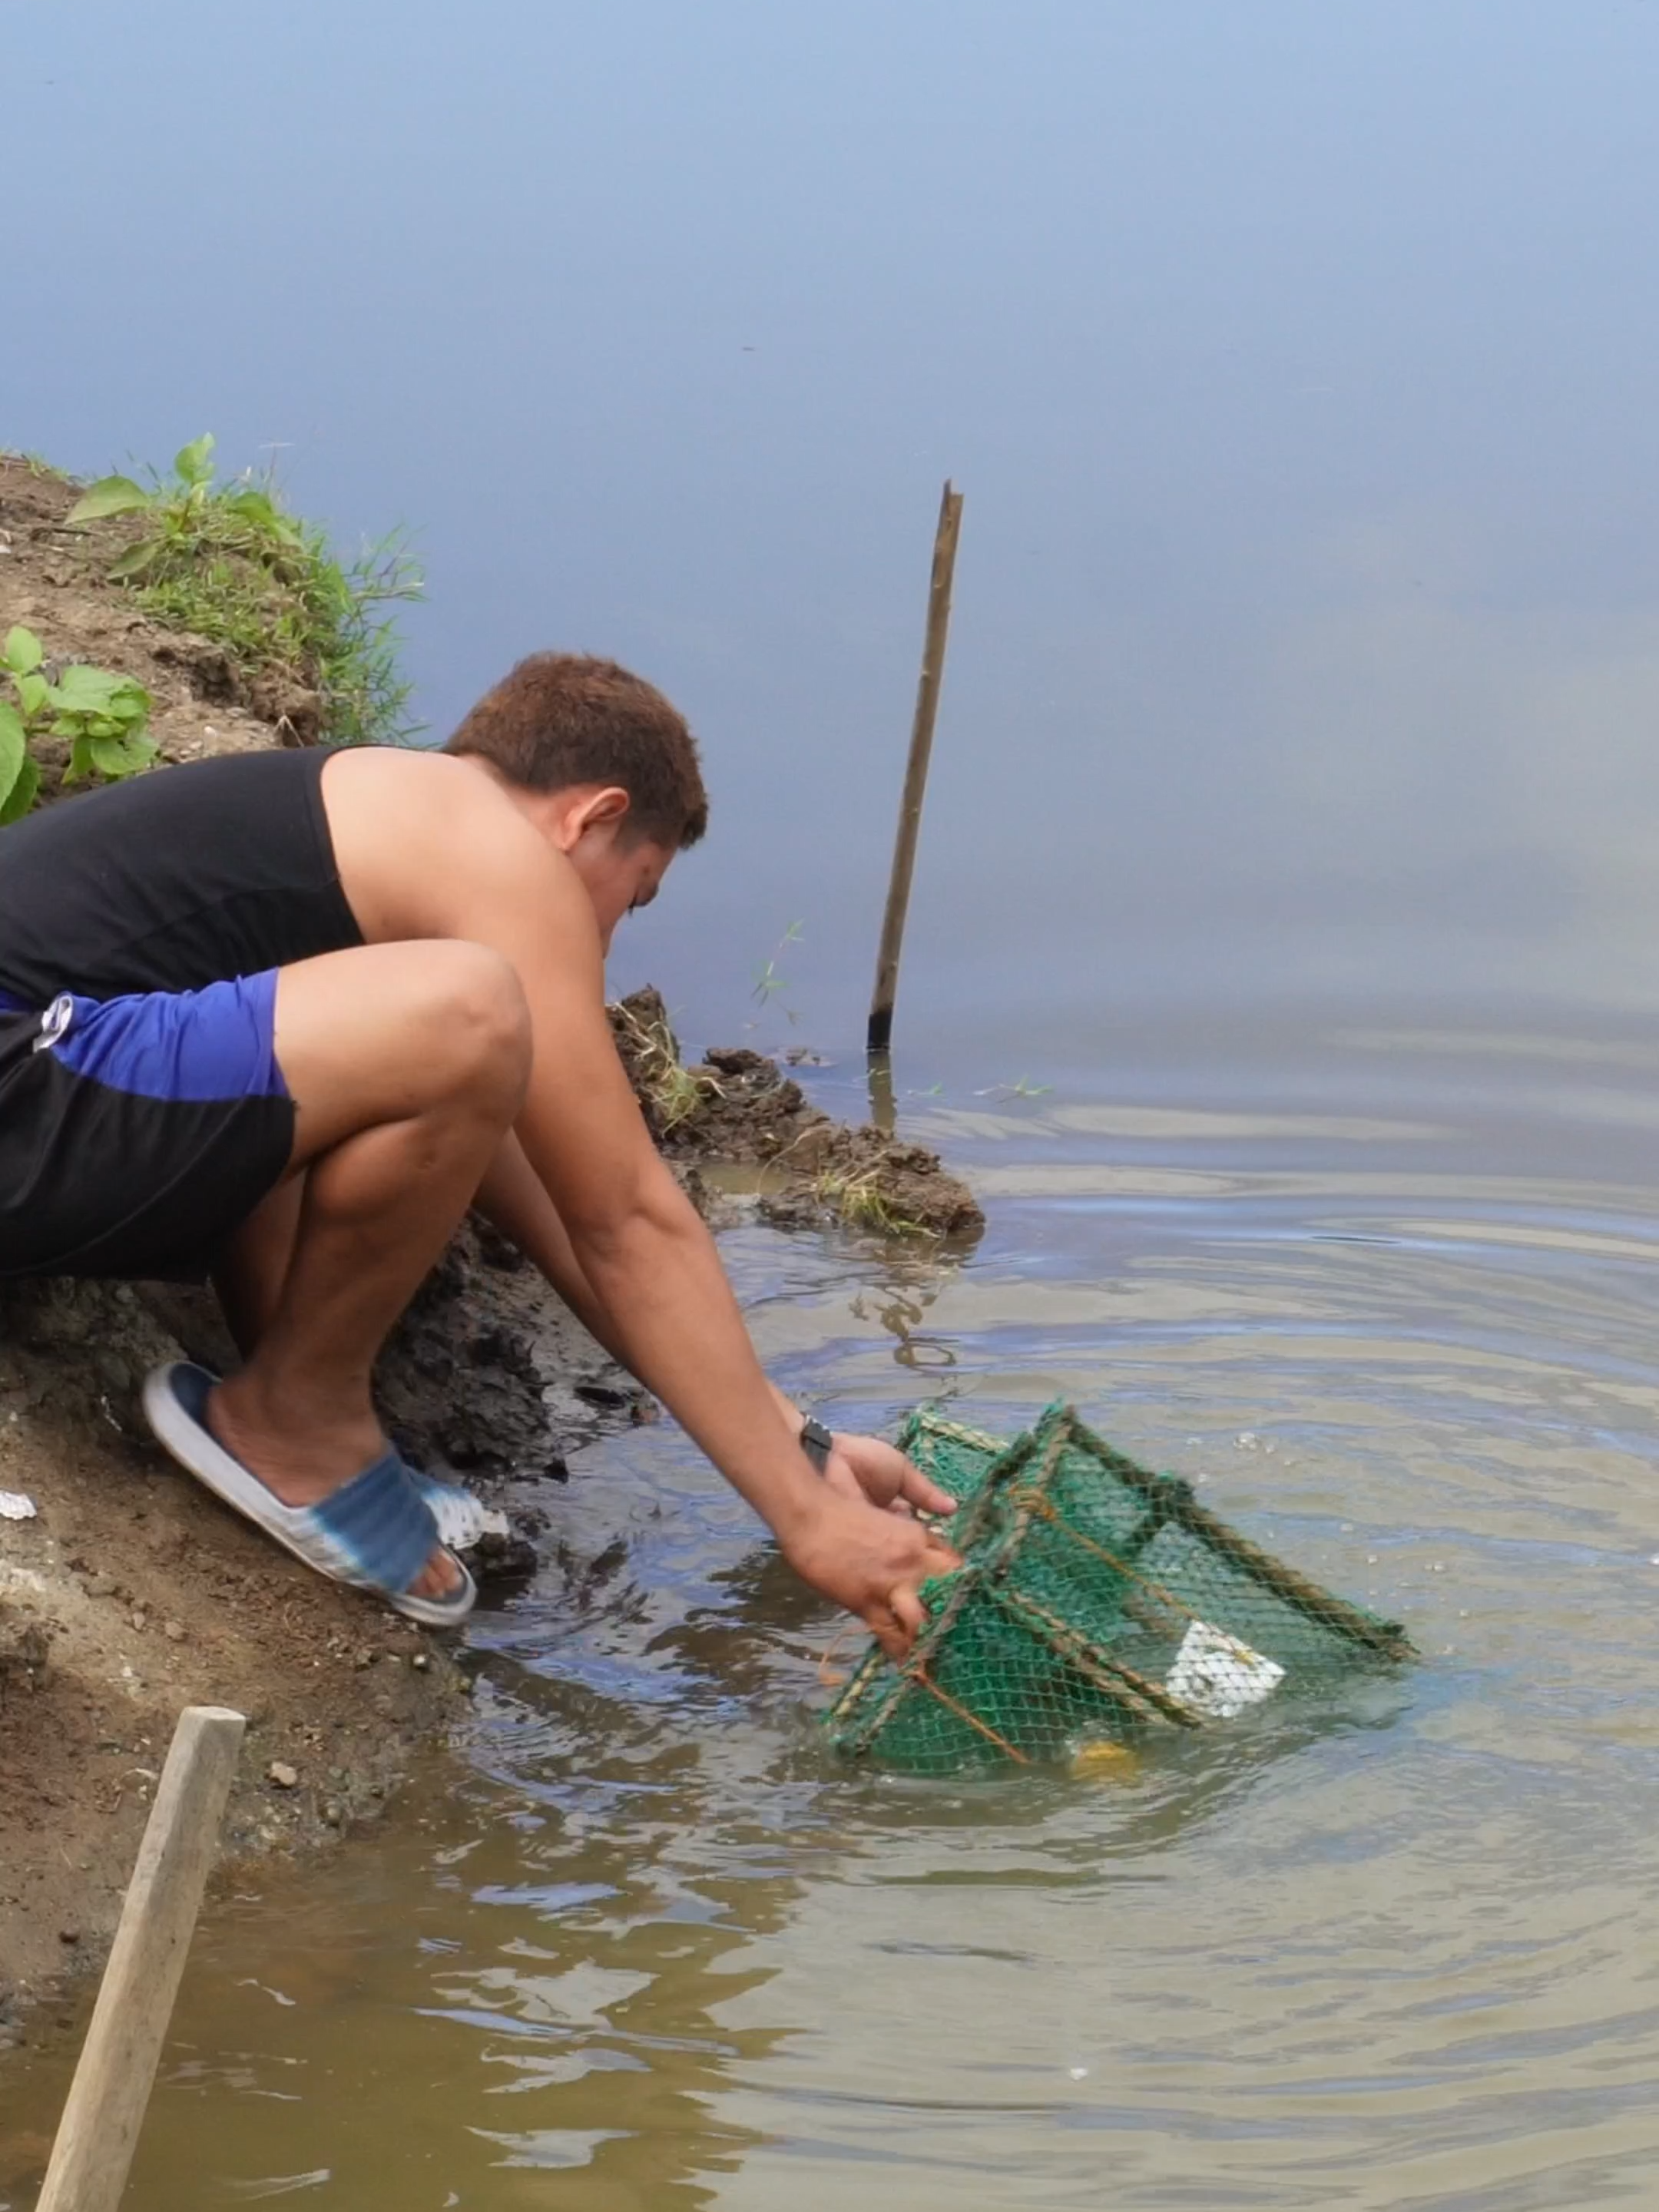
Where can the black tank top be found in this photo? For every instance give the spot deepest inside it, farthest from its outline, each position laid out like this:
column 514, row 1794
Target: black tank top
column 179, row 878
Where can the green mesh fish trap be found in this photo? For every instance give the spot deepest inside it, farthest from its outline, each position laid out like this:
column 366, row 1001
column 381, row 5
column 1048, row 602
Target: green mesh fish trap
column 1097, row 1605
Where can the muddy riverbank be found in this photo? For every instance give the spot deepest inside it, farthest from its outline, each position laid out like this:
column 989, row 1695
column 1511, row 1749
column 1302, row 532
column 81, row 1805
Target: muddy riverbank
column 126, row 1594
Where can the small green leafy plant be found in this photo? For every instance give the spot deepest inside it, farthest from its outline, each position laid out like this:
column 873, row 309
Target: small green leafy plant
column 176, row 505
column 230, row 563
column 103, row 717
column 1021, row 1087
column 768, row 982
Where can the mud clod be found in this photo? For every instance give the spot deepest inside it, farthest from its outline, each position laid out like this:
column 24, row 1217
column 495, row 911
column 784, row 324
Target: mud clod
column 737, row 1108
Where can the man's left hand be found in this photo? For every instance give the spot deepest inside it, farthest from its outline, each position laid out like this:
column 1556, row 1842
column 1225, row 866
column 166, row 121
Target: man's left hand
column 865, row 1467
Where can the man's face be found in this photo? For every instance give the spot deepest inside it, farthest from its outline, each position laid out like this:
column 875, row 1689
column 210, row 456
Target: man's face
column 620, row 874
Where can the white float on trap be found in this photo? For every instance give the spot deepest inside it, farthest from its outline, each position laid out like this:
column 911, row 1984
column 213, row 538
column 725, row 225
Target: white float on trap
column 1217, row 1675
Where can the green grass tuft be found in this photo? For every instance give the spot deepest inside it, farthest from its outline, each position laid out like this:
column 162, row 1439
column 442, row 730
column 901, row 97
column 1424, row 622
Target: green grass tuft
column 861, row 1203
column 230, row 563
column 670, row 1092
column 37, row 465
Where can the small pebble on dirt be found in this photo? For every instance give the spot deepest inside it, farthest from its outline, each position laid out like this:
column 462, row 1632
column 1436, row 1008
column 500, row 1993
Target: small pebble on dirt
column 419, row 1661
column 173, row 1631
column 281, row 1774
column 100, row 1586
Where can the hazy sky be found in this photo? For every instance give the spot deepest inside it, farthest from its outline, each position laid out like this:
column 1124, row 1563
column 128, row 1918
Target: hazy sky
column 1298, row 365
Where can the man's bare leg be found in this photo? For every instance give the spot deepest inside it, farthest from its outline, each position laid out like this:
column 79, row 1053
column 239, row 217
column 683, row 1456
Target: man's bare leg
column 249, row 1279
column 407, row 1064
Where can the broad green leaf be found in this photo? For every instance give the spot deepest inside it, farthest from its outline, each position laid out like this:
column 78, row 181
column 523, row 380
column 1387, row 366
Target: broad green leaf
column 21, row 796
column 194, row 462
column 32, row 692
column 14, row 747
column 259, row 508
column 24, row 652
column 118, row 757
column 79, row 762
column 109, row 496
column 82, row 690
column 136, row 559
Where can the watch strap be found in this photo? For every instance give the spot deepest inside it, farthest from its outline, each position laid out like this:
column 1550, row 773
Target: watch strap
column 816, row 1443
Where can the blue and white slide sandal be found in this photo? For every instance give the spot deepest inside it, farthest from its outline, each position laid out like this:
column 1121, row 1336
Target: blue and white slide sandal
column 463, row 1520
column 375, row 1533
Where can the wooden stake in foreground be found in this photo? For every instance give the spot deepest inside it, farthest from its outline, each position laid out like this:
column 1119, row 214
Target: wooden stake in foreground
column 99, row 2131
column 915, row 774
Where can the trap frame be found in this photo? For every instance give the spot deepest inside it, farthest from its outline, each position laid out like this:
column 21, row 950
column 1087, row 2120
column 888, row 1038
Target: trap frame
column 1098, row 1602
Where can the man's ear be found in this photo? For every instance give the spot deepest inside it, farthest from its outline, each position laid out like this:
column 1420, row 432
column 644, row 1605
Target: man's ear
column 602, row 809
column 570, row 814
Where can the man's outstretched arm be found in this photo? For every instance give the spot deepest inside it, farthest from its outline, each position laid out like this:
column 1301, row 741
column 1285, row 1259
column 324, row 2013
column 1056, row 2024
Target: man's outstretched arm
column 650, row 1265
column 513, row 1198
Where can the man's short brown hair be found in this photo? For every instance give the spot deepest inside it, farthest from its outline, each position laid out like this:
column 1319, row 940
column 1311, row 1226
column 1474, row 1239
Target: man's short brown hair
column 564, row 718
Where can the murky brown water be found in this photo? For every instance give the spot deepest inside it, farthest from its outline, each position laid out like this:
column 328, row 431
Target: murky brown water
column 642, row 1946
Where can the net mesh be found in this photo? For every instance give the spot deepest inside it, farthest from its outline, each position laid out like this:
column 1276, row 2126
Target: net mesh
column 1097, row 1605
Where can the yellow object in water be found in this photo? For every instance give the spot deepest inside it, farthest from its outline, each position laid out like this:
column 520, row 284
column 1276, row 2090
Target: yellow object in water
column 1105, row 1759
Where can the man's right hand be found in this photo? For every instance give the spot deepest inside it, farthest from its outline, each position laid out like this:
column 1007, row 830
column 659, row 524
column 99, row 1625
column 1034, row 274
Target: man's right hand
column 872, row 1563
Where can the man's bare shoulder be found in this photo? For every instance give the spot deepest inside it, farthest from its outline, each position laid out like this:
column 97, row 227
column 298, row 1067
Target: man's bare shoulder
column 407, row 776
column 420, row 836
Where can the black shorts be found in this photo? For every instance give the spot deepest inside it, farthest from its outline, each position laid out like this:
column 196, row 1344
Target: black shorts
column 137, row 1134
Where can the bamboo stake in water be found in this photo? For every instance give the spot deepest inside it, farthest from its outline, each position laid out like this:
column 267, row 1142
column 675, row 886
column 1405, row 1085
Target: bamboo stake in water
column 99, row 2131
column 915, row 774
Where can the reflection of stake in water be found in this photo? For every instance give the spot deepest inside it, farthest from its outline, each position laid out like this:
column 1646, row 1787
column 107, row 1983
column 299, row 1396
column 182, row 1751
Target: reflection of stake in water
column 899, row 1306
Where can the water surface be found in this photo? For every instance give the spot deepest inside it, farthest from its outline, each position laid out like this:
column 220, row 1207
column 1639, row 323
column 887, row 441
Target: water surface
column 650, row 1947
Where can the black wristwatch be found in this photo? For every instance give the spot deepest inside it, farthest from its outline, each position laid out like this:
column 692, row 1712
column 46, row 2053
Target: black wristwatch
column 816, row 1443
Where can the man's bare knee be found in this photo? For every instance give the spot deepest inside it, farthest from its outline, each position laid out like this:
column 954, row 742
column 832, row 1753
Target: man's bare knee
column 482, row 1023
column 391, row 1031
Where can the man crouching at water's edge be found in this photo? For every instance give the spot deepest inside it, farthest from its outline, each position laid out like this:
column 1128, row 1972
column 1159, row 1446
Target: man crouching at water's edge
column 286, row 1017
